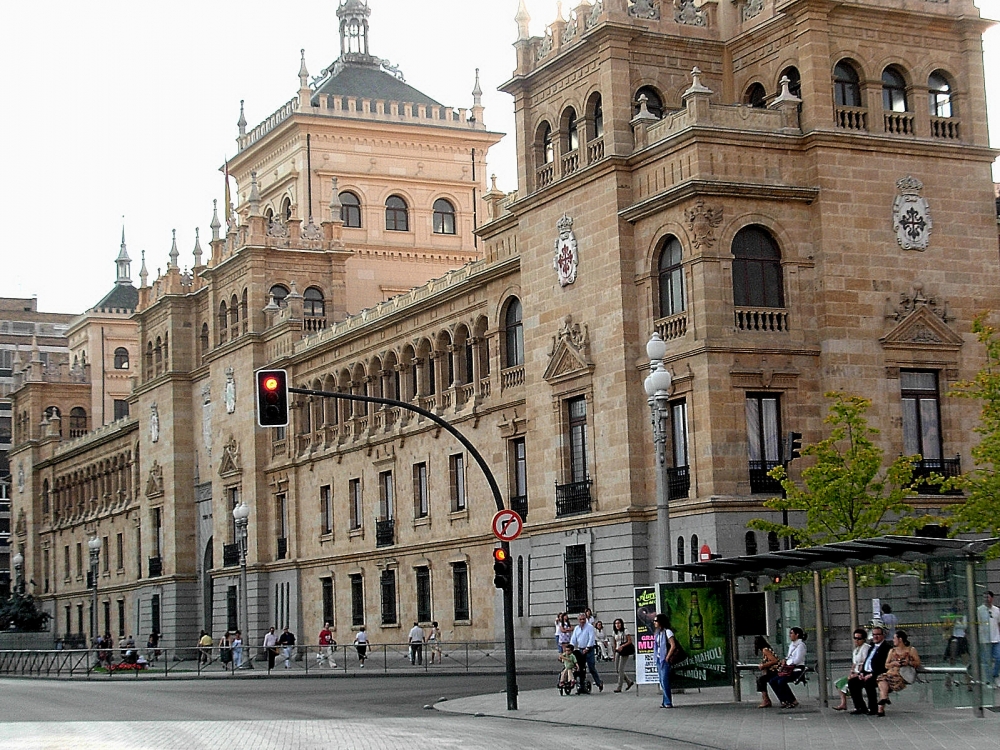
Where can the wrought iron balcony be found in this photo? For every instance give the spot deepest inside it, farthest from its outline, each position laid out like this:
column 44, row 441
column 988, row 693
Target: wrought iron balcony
column 943, row 467
column 678, row 481
column 385, row 532
column 573, row 498
column 519, row 504
column 759, row 480
column 282, row 547
column 230, row 555
column 155, row 567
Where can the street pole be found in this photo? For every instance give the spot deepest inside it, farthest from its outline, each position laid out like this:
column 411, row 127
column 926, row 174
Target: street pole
column 94, row 545
column 18, row 561
column 241, row 514
column 657, row 385
column 508, row 597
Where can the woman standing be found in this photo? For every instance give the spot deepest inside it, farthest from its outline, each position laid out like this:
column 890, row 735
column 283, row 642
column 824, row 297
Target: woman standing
column 858, row 656
column 361, row 644
column 788, row 667
column 434, row 642
column 664, row 645
column 564, row 631
column 900, row 669
column 237, row 645
column 768, row 668
column 558, row 631
column 624, row 651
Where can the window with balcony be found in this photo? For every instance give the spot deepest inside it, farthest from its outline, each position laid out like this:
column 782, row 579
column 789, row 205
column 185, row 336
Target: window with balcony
column 518, row 460
column 757, row 278
column 423, row 576
column 460, row 587
column 939, row 91
column 313, row 304
column 763, row 441
column 679, row 474
column 357, row 600
column 922, row 427
column 513, row 334
column 350, row 210
column 846, row 85
column 77, row 421
column 575, row 566
column 421, row 493
column 278, row 293
column 755, row 96
column 456, row 467
column 893, row 90
column 385, row 523
column 574, row 496
column 444, row 217
column 654, row 102
column 670, row 277
column 387, row 584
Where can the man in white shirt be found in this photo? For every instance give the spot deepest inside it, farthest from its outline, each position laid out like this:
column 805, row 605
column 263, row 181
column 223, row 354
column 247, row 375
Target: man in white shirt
column 271, row 647
column 584, row 639
column 989, row 640
column 416, row 639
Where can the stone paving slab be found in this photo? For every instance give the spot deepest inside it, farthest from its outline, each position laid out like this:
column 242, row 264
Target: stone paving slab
column 711, row 719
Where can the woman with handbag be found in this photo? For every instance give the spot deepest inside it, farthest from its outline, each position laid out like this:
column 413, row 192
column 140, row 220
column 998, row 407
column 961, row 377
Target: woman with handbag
column 900, row 669
column 624, row 651
column 793, row 663
column 664, row 646
column 858, row 657
column 768, row 668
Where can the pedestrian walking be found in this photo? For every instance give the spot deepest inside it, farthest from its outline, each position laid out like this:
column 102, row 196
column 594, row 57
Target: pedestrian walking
column 584, row 639
column 237, row 646
column 664, row 644
column 624, row 652
column 361, row 644
column 434, row 641
column 287, row 641
column 326, row 646
column 416, row 640
column 989, row 640
column 226, row 650
column 271, row 647
column 204, row 648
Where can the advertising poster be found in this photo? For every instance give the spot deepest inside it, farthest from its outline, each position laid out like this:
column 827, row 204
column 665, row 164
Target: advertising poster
column 645, row 611
column 697, row 615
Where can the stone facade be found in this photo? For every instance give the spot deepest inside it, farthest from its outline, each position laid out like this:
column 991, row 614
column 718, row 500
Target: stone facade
column 760, row 240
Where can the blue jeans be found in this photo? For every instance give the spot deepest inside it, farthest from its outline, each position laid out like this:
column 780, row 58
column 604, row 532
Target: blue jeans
column 990, row 652
column 590, row 657
column 663, row 671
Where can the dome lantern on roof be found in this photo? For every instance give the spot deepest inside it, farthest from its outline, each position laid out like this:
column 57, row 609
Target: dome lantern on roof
column 353, row 15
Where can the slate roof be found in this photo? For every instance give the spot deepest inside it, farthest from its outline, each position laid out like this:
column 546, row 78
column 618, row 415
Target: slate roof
column 121, row 297
column 370, row 82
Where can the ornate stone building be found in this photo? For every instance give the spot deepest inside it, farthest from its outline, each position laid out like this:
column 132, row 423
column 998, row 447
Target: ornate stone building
column 769, row 185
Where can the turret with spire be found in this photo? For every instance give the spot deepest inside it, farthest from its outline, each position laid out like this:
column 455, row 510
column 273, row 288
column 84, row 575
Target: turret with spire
column 477, row 102
column 123, row 264
column 353, row 15
column 305, row 93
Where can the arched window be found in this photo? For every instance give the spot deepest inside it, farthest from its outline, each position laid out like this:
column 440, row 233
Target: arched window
column 940, row 95
column 773, row 545
column 654, row 103
column 223, row 322
column 695, row 550
column 680, row 556
column 149, row 359
column 572, row 129
column 121, row 358
column 278, row 292
column 286, row 209
column 548, row 151
column 794, row 81
column 751, row 543
column 350, row 209
column 846, row 85
column 755, row 96
column 671, row 278
column 597, row 114
column 269, row 214
column 514, row 334
column 234, row 317
column 77, row 421
column 893, row 91
column 204, row 339
column 396, row 215
column 444, row 217
column 757, row 280
column 312, row 303
column 244, row 309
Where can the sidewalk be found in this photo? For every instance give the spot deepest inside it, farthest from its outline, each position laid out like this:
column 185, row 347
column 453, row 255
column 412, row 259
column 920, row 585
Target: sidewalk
column 711, row 719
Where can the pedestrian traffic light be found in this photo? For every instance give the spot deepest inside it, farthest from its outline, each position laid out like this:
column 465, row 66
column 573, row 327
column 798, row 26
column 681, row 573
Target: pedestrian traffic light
column 793, row 444
column 272, row 398
column 501, row 568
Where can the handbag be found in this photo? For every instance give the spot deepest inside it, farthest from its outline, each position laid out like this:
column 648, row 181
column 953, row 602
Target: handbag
column 679, row 654
column 786, row 671
column 628, row 649
column 908, row 673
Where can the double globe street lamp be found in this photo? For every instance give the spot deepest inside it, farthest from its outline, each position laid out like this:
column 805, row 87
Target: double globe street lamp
column 241, row 514
column 658, row 384
column 18, row 562
column 94, row 545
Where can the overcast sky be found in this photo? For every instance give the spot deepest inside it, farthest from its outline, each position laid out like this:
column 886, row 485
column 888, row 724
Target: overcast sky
column 120, row 107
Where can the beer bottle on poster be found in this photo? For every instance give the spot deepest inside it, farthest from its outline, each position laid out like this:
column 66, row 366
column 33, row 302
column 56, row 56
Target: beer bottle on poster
column 696, row 626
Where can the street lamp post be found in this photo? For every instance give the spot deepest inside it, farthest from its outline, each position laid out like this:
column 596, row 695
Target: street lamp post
column 94, row 545
column 241, row 514
column 657, row 385
column 18, row 561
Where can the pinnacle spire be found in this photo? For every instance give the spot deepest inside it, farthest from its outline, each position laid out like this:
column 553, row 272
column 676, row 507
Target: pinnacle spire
column 143, row 273
column 303, row 72
column 123, row 263
column 522, row 19
column 174, row 254
column 197, row 248
column 242, row 122
column 477, row 91
column 254, row 199
column 215, row 225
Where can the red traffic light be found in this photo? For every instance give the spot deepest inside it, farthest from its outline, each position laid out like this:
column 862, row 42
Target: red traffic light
column 501, row 568
column 272, row 398
column 270, row 383
column 501, row 555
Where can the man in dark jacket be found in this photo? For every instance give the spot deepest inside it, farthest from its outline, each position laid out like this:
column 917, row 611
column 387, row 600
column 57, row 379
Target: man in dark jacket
column 286, row 640
column 867, row 681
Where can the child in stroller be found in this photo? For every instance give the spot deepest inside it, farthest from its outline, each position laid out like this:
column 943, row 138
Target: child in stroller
column 567, row 678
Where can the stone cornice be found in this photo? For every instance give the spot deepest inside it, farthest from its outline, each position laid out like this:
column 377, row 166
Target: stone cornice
column 690, row 188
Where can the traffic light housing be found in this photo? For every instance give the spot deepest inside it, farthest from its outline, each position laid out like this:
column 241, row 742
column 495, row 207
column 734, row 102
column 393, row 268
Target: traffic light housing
column 793, row 446
column 272, row 398
column 501, row 568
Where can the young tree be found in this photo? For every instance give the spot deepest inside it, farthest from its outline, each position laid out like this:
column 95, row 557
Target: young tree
column 981, row 509
column 845, row 494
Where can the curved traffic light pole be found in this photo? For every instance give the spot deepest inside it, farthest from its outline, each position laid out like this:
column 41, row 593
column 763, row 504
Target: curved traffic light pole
column 508, row 593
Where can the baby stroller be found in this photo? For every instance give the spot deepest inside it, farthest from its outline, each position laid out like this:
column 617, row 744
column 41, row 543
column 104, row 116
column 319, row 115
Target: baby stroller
column 582, row 679
column 566, row 688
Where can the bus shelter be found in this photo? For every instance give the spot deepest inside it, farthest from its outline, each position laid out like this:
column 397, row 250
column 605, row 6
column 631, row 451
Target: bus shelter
column 850, row 555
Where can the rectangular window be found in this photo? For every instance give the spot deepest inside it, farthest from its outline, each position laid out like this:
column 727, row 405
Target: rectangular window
column 460, row 576
column 107, row 616
column 763, row 440
column 106, row 557
column 138, row 553
column 679, row 473
column 577, row 414
column 281, row 505
column 66, row 561
column 232, row 608
column 327, row 585
column 68, row 610
column 423, row 594
column 233, row 496
column 456, row 465
column 921, row 414
column 385, row 496
column 121, row 408
column 45, row 571
column 326, row 509
column 79, row 560
column 121, row 617
column 157, row 532
column 576, row 578
column 421, row 496
column 354, row 497
column 154, row 614
column 6, row 428
column 79, row 621
column 387, row 583
column 357, row 600
column 120, row 552
column 517, row 459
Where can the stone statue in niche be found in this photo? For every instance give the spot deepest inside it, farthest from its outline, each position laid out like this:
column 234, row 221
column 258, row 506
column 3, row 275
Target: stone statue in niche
column 154, row 423
column 230, row 391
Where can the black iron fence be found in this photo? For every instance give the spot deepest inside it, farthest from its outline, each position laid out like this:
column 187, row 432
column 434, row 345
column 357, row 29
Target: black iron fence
column 573, row 498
